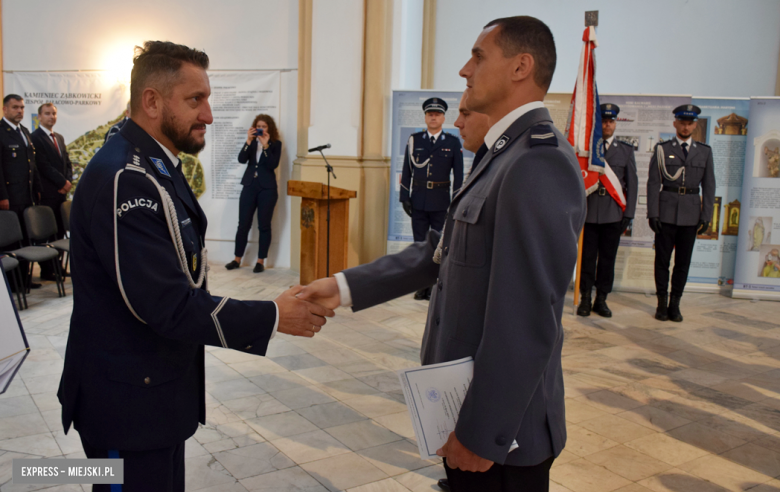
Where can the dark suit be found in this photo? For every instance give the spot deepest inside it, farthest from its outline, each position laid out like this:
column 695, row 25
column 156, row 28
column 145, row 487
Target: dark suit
column 134, row 377
column 603, row 223
column 679, row 213
column 260, row 192
column 428, row 186
column 509, row 249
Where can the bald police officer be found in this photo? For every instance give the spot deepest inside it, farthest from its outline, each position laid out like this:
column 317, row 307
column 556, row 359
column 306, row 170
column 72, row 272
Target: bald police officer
column 606, row 220
column 430, row 157
column 680, row 198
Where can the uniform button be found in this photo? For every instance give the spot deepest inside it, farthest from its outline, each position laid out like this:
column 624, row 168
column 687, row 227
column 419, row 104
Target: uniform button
column 446, row 250
column 501, row 440
column 465, row 212
column 440, row 284
column 248, row 347
column 147, row 380
column 137, row 149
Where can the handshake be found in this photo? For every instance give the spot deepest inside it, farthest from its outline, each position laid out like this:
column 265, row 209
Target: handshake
column 302, row 310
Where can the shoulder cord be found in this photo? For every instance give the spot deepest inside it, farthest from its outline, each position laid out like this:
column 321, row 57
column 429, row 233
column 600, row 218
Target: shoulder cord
column 659, row 155
column 171, row 217
column 410, row 146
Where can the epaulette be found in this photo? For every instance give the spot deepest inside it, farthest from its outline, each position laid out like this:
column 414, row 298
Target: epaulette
column 543, row 134
column 701, row 143
column 626, row 144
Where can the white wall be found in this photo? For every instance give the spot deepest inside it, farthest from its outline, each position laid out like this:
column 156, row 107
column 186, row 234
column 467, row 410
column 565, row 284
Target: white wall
column 700, row 47
column 236, row 34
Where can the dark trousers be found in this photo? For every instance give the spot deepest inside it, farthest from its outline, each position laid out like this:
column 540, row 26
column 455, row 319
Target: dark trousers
column 422, row 221
column 55, row 204
column 599, row 249
column 679, row 239
column 502, row 478
column 158, row 470
column 24, row 265
column 264, row 201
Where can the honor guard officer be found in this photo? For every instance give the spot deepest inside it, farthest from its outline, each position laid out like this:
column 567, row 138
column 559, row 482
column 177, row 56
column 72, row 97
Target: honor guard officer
column 680, row 169
column 20, row 185
column 606, row 220
column 430, row 157
column 133, row 382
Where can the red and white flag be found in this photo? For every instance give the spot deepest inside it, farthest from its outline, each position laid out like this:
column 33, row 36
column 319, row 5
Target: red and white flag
column 583, row 128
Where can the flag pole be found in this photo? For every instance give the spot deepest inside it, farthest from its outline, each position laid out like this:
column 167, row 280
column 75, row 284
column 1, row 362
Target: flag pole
column 591, row 19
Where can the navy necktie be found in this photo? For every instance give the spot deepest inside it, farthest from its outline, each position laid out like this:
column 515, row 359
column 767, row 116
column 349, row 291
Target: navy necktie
column 685, row 149
column 19, row 131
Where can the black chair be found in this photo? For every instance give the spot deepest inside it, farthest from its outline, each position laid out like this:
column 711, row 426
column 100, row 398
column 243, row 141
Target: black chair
column 64, row 244
column 41, row 228
column 11, row 234
column 11, row 268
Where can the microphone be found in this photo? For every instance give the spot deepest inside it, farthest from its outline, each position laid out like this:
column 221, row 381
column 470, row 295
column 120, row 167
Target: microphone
column 321, row 147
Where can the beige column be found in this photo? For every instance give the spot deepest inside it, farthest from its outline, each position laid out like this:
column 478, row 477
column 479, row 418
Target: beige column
column 428, row 44
column 360, row 165
column 2, row 76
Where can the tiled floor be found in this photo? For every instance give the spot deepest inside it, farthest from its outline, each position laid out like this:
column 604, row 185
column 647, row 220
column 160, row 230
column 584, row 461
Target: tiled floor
column 651, row 406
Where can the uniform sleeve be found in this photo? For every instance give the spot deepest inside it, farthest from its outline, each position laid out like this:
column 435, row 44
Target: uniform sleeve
column 708, row 189
column 45, row 168
column 631, row 186
column 141, row 258
column 3, row 190
column 457, row 169
column 406, row 178
column 653, row 186
column 272, row 155
column 246, row 151
column 529, row 277
column 36, row 181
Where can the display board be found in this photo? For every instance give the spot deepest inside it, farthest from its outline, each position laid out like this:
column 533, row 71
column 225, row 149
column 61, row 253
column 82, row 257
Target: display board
column 408, row 118
column 758, row 244
column 89, row 103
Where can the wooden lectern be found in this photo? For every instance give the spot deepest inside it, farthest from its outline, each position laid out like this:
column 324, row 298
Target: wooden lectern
column 314, row 232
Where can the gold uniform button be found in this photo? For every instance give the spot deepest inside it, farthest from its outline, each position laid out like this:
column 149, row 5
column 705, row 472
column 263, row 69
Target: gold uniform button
column 147, row 380
column 248, row 347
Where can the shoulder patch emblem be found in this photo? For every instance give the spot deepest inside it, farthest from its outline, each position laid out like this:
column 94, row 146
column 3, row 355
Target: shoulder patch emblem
column 543, row 135
column 135, row 203
column 160, row 165
column 501, row 143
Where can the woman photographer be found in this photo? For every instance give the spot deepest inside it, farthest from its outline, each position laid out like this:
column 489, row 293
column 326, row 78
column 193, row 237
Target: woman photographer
column 261, row 153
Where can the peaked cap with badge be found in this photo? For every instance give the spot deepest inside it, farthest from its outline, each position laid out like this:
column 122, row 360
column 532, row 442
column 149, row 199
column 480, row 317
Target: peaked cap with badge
column 134, row 367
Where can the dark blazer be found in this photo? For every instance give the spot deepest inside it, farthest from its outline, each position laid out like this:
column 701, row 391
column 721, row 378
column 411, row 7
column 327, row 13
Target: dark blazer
column 269, row 161
column 671, row 207
column 134, row 365
column 19, row 180
column 509, row 249
column 446, row 157
column 603, row 209
column 54, row 166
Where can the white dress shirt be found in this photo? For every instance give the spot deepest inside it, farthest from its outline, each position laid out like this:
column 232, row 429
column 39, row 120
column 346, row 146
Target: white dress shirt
column 609, row 142
column 50, row 134
column 490, row 138
column 689, row 141
column 176, row 163
column 434, row 136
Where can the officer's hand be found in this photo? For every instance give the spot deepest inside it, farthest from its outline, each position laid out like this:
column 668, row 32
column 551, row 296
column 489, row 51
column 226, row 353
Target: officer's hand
column 624, row 224
column 5, row 204
column 68, row 186
column 298, row 317
column 324, row 292
column 407, row 207
column 655, row 225
column 703, row 226
column 459, row 457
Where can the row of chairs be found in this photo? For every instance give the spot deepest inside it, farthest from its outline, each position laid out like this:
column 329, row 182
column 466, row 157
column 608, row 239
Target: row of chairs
column 41, row 227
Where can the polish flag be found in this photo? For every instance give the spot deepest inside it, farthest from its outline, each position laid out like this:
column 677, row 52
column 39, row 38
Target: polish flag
column 583, row 128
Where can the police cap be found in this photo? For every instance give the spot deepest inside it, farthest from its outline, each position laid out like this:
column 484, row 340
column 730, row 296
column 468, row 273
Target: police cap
column 688, row 112
column 609, row 111
column 435, row 104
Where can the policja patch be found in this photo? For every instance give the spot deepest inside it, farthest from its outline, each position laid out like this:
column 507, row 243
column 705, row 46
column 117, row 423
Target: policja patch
column 133, row 203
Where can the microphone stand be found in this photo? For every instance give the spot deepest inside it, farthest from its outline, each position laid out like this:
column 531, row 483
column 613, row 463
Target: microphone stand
column 327, row 248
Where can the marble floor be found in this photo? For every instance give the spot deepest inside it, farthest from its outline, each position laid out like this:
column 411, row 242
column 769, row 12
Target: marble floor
column 651, row 406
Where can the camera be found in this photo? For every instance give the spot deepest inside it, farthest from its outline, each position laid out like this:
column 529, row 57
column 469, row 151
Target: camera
column 258, row 132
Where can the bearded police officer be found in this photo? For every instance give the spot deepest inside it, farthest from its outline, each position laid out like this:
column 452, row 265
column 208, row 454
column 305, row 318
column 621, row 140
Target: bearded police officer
column 680, row 198
column 606, row 220
column 133, row 382
column 430, row 157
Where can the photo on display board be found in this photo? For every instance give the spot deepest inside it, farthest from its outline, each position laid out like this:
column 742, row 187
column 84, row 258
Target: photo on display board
column 759, row 233
column 766, row 161
column 700, row 134
column 732, row 124
column 769, row 261
column 712, row 233
column 731, row 219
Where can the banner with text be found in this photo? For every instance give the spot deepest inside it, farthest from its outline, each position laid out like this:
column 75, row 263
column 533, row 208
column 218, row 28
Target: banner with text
column 757, row 273
column 408, row 118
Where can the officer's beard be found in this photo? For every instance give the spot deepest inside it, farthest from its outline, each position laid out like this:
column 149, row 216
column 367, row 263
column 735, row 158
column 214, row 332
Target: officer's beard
column 182, row 140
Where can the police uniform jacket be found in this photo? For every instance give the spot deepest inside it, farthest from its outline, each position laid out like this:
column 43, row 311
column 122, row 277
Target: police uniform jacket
column 134, row 366
column 265, row 168
column 445, row 157
column 509, row 247
column 54, row 166
column 603, row 209
column 114, row 129
column 672, row 207
column 19, row 180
